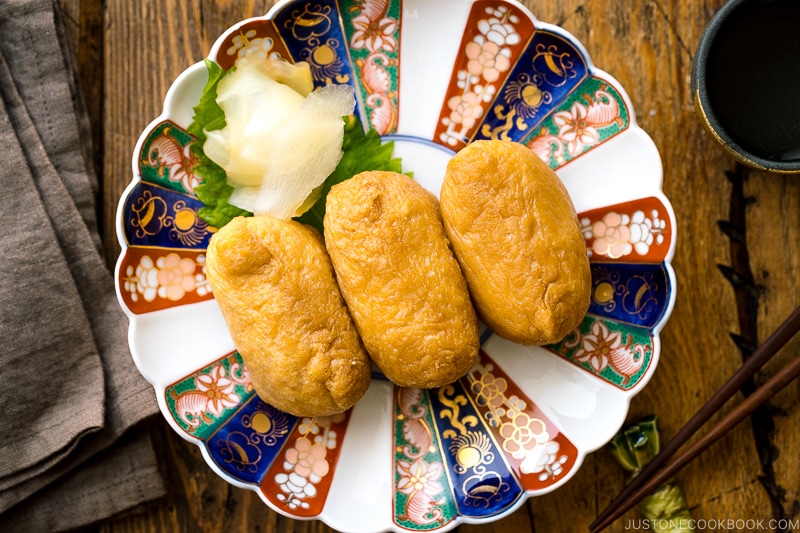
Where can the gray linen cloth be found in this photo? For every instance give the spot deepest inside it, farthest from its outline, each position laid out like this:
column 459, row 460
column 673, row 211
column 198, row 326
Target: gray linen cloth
column 69, row 390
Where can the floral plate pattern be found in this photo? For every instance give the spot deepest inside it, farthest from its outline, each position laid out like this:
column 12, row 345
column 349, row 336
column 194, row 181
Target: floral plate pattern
column 432, row 77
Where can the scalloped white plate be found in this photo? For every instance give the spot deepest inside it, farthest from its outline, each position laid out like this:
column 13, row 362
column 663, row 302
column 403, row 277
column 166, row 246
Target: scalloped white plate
column 432, row 77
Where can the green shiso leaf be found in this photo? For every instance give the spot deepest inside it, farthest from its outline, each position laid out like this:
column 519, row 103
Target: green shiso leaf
column 208, row 115
column 361, row 152
column 214, row 190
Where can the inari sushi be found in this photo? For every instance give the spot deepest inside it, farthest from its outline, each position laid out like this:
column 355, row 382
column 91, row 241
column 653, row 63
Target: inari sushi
column 515, row 234
column 276, row 289
column 400, row 280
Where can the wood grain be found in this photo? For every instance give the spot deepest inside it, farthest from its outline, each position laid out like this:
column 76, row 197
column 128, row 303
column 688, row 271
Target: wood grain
column 130, row 52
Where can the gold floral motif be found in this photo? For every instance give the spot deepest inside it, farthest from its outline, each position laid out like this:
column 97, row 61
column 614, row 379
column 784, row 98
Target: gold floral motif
column 523, row 437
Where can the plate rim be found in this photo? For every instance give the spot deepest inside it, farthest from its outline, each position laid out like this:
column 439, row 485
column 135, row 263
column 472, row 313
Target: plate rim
column 171, row 102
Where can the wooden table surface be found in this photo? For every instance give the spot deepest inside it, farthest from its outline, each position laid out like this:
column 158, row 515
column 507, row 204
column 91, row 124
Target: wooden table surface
column 737, row 260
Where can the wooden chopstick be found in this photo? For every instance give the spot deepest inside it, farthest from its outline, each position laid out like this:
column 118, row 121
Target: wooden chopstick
column 647, row 479
column 785, row 376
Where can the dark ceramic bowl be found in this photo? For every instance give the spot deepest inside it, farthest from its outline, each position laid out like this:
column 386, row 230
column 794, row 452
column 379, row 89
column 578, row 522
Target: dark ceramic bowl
column 746, row 79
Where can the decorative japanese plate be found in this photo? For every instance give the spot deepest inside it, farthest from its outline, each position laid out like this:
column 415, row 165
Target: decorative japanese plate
column 432, row 77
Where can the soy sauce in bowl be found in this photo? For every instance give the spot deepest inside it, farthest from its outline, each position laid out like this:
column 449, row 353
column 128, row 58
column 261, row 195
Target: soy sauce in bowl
column 746, row 81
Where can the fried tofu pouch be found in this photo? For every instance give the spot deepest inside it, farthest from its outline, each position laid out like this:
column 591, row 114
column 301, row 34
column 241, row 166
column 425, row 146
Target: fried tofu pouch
column 276, row 289
column 514, row 231
column 397, row 273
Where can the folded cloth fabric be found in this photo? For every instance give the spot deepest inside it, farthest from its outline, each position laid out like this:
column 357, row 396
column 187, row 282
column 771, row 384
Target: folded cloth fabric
column 68, row 386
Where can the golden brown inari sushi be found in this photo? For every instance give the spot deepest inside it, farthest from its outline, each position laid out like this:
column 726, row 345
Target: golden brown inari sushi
column 514, row 231
column 276, row 289
column 400, row 280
